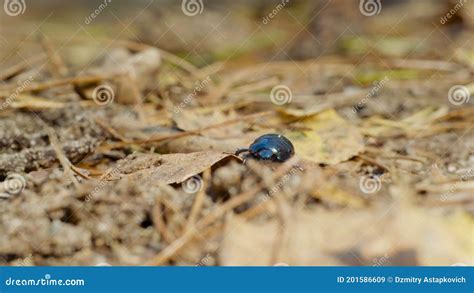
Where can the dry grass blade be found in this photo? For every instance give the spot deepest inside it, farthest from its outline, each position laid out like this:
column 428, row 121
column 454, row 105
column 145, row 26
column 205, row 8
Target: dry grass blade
column 212, row 217
column 60, row 155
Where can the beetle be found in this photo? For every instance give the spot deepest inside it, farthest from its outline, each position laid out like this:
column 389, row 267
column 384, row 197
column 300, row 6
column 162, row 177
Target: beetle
column 272, row 147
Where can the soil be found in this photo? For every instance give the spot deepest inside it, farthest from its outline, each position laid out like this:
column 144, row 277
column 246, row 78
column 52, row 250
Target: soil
column 119, row 150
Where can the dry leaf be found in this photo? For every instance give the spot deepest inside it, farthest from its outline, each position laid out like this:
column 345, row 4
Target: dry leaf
column 332, row 193
column 390, row 235
column 189, row 144
column 169, row 168
column 190, row 120
column 330, row 139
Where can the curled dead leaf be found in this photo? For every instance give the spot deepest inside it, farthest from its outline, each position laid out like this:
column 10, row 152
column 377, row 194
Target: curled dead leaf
column 169, row 168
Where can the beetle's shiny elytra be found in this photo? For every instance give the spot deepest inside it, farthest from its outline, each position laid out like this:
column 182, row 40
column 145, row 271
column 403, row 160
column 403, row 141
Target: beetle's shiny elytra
column 272, row 147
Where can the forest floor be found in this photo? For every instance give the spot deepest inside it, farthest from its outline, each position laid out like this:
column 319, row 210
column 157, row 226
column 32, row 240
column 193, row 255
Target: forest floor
column 121, row 152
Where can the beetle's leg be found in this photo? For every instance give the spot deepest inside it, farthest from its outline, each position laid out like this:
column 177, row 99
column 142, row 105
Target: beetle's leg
column 239, row 151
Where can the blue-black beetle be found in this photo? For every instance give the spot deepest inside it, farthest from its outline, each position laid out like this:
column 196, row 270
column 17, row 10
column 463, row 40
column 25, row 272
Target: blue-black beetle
column 272, row 147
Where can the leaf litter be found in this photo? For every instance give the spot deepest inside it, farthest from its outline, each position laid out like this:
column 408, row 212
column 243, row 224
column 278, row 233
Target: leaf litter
column 122, row 153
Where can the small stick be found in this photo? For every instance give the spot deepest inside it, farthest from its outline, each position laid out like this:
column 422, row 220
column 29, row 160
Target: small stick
column 253, row 87
column 249, row 214
column 218, row 125
column 188, row 235
column 213, row 216
column 373, row 162
column 58, row 67
column 198, row 201
column 110, row 130
column 160, row 224
column 78, row 172
column 424, row 64
column 180, row 62
column 76, row 80
column 53, row 139
column 186, row 133
column 15, row 69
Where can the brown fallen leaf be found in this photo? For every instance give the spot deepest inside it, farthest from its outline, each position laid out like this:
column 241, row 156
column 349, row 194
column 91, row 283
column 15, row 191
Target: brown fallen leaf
column 189, row 144
column 334, row 194
column 169, row 168
column 189, row 120
column 329, row 139
column 383, row 235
